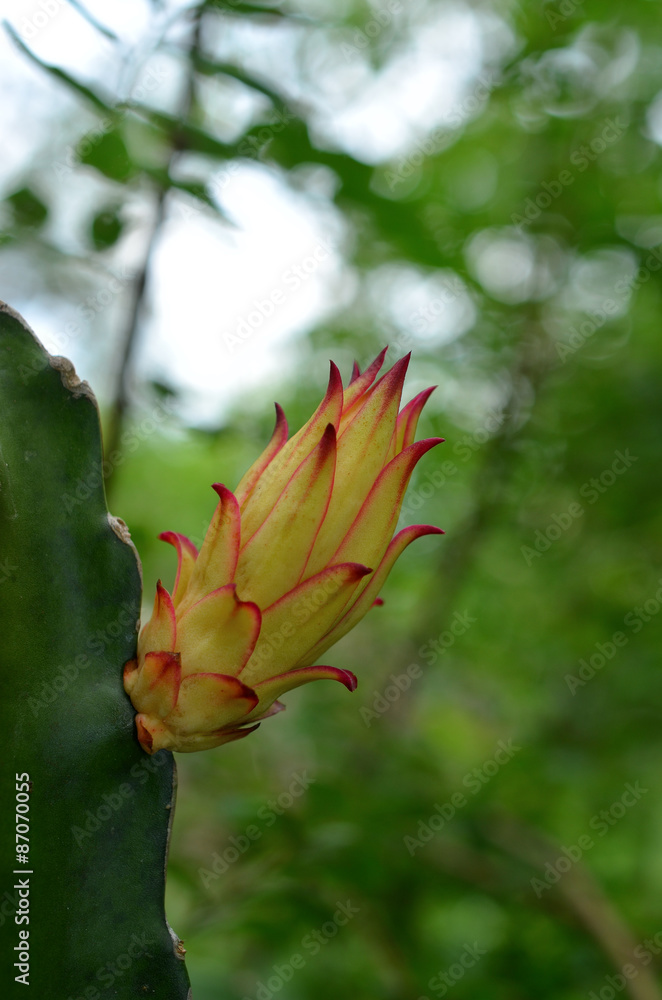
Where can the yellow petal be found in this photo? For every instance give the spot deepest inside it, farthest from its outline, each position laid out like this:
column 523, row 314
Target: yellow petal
column 273, row 560
column 218, row 634
column 295, row 623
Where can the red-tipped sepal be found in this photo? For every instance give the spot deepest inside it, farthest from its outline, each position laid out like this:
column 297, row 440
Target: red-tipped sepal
column 217, row 560
column 161, row 629
column 292, row 625
column 155, row 684
column 368, row 598
column 186, row 556
column 273, row 688
column 210, row 702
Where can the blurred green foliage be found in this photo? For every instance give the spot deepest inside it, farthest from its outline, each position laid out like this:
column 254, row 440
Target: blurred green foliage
column 516, row 250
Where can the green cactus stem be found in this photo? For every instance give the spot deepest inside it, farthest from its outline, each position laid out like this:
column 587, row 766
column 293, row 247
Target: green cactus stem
column 82, row 905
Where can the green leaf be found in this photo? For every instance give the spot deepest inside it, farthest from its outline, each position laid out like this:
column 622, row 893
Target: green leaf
column 28, row 208
column 55, row 71
column 106, row 228
column 84, row 12
column 108, row 154
column 183, row 135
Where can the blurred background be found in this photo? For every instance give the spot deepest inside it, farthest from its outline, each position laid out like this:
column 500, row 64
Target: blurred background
column 202, row 204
